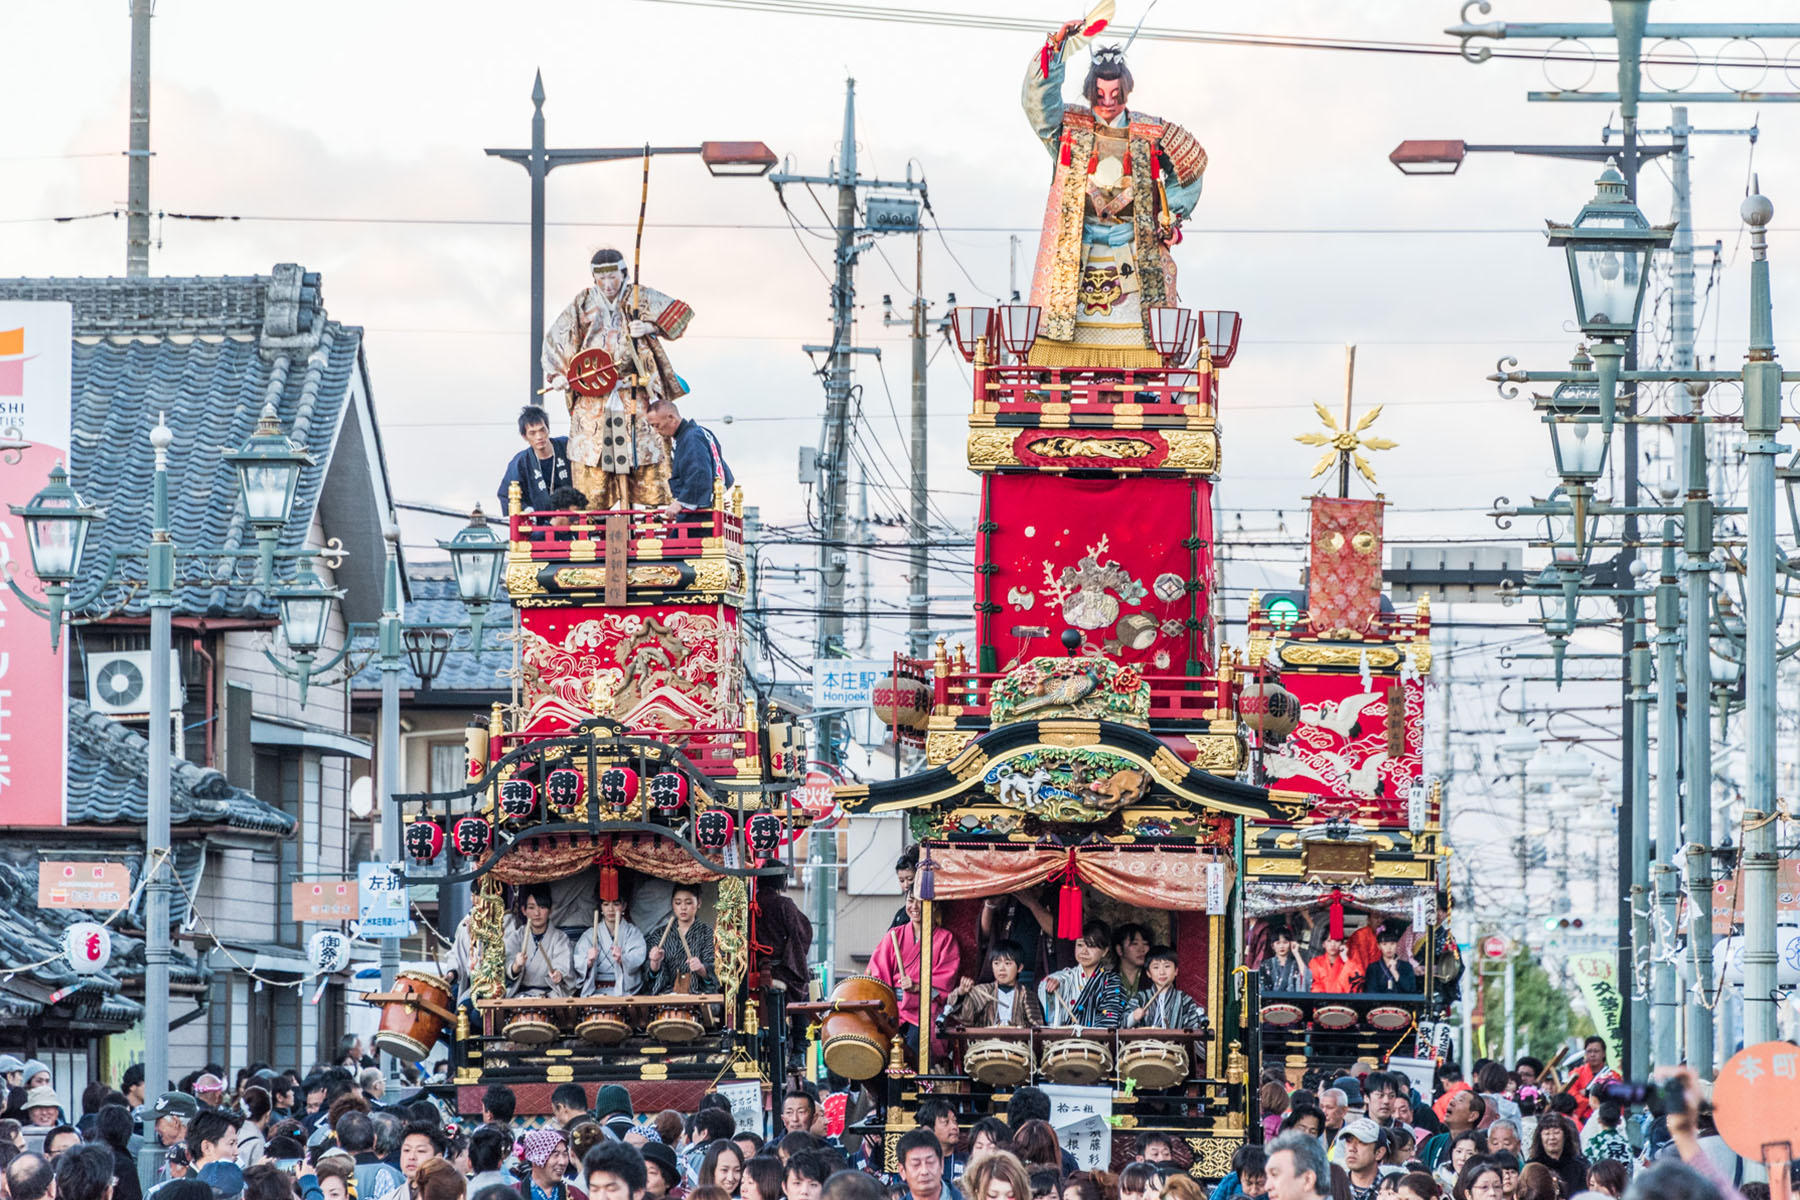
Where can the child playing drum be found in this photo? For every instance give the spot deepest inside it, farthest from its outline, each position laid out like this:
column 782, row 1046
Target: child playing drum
column 1006, row 1001
column 1162, row 1005
column 1087, row 994
column 611, row 954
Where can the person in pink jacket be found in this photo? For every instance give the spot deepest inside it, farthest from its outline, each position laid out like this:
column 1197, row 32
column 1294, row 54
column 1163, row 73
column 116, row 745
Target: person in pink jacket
column 896, row 962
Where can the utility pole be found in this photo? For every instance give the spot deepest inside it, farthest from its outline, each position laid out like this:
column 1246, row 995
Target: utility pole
column 862, row 554
column 137, row 191
column 1510, row 1045
column 834, row 437
column 918, row 530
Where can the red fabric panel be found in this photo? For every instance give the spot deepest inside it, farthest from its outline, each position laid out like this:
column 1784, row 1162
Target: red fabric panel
column 1106, row 556
column 1344, row 585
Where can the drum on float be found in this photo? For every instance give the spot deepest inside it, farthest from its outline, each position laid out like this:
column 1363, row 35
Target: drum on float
column 1076, row 1060
column 414, row 1015
column 603, row 1029
column 1334, row 1016
column 1389, row 1018
column 999, row 1061
column 676, row 1023
column 856, row 1042
column 1153, row 1063
column 532, row 1027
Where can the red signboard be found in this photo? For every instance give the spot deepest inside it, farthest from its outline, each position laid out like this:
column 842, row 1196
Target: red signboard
column 91, row 885
column 34, row 405
column 326, row 900
column 817, row 795
column 1495, row 947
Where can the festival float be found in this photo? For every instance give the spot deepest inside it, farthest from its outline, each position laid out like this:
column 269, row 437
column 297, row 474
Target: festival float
column 1101, row 753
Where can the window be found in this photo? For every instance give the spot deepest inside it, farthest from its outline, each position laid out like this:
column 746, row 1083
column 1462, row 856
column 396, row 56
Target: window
column 449, row 761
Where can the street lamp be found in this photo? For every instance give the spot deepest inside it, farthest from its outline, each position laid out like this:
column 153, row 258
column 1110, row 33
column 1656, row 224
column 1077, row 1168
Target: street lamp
column 1220, row 329
column 737, row 160
column 56, row 529
column 1608, row 247
column 305, row 605
column 426, row 650
column 268, row 470
column 477, row 559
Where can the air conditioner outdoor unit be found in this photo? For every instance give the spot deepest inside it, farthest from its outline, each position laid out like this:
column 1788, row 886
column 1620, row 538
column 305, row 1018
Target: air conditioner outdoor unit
column 119, row 682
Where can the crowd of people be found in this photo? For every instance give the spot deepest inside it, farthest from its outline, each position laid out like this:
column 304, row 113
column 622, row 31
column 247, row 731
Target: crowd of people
column 1522, row 1133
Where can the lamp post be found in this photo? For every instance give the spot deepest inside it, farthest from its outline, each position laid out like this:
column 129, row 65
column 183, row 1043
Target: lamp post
column 477, row 561
column 57, row 526
column 750, row 159
column 1762, row 424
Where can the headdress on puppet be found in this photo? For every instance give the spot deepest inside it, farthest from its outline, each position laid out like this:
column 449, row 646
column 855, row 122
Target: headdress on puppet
column 607, row 260
column 1108, row 64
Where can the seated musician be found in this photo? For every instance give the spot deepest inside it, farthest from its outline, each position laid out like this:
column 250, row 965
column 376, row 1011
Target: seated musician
column 539, row 959
column 1162, row 1005
column 681, row 949
column 1088, row 993
column 1007, row 1000
column 1333, row 971
column 896, row 963
column 611, row 954
column 1390, row 973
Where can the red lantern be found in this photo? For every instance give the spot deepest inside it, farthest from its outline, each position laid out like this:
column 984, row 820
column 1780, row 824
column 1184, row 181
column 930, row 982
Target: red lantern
column 618, row 788
column 518, row 799
column 668, row 792
column 563, row 789
column 471, row 836
column 762, row 833
column 713, row 828
column 424, row 840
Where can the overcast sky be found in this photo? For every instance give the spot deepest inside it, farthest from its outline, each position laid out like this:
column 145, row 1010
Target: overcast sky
column 349, row 137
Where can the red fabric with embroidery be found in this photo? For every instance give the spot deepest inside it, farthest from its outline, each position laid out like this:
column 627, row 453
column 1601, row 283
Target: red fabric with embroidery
column 1048, row 523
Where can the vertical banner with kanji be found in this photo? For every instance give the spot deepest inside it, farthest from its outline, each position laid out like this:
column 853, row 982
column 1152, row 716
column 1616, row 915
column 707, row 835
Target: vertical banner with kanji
column 1597, row 975
column 1082, row 1118
column 35, row 372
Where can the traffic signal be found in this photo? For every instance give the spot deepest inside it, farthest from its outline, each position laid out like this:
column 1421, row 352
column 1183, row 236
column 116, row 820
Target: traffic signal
column 1396, row 722
column 1564, row 924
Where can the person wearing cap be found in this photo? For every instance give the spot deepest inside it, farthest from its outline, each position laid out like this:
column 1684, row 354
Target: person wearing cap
column 1363, row 1147
column 169, row 1117
column 209, row 1090
column 43, row 1109
column 612, row 1108
column 663, row 1173
column 1390, row 973
column 12, row 1070
column 547, row 1150
column 37, row 1074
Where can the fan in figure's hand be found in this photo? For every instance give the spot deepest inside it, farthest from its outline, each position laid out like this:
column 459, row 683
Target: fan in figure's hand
column 593, row 373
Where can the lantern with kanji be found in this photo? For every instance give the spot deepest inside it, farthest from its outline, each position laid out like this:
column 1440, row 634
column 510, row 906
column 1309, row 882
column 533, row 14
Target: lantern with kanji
column 712, row 829
column 668, row 792
column 762, row 834
column 562, row 791
column 424, row 839
column 518, row 799
column 328, row 950
column 87, row 947
column 618, row 788
column 471, row 836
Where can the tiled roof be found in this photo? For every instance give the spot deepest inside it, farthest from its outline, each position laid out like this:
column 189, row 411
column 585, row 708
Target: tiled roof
column 206, row 353
column 31, row 945
column 109, row 766
column 435, row 600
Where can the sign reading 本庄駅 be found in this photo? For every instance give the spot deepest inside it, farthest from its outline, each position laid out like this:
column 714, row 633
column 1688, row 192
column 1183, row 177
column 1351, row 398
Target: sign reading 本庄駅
column 849, row 682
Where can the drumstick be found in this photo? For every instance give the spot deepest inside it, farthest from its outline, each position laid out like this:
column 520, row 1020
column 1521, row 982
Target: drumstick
column 587, row 982
column 612, row 934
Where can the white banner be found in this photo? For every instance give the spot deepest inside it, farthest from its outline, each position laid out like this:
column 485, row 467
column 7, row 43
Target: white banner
column 746, row 1105
column 1082, row 1118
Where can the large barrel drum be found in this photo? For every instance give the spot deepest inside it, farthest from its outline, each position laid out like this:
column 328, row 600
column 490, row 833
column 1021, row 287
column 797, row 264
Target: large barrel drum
column 416, row 1017
column 856, row 1043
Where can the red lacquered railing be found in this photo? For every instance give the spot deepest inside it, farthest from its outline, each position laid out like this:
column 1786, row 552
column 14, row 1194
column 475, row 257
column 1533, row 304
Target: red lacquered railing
column 581, row 536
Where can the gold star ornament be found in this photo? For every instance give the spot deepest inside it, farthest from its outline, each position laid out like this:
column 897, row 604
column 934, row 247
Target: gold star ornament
column 1345, row 443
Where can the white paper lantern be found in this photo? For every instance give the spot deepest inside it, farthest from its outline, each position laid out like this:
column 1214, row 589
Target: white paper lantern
column 87, row 946
column 328, row 951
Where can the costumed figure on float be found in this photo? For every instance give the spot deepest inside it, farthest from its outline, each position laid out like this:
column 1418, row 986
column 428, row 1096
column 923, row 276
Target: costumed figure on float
column 1124, row 182
column 618, row 461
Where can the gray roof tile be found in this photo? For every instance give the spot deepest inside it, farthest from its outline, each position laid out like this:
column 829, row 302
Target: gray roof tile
column 435, row 599
column 206, row 353
column 109, row 768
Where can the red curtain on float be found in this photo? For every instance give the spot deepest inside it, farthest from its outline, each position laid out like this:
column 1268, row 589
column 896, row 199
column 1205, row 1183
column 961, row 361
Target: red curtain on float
column 1128, row 562
column 1156, row 878
column 557, row 856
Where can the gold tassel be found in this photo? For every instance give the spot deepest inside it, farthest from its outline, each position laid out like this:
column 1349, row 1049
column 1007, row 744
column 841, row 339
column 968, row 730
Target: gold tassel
column 1073, row 354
